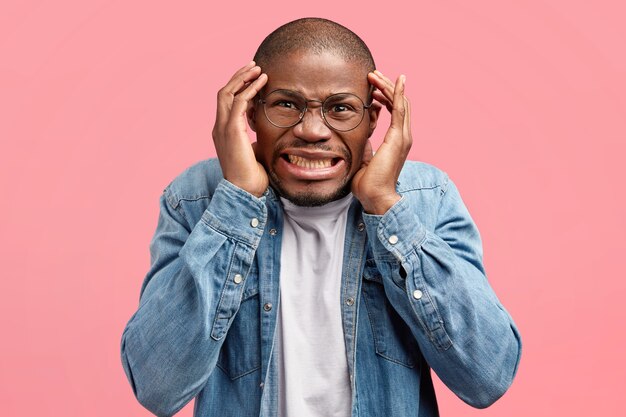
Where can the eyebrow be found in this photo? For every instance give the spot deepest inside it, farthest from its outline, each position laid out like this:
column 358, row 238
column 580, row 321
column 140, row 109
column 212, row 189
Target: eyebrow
column 296, row 93
column 292, row 93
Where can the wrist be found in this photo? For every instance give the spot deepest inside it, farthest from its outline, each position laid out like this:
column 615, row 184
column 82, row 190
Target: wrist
column 381, row 205
column 253, row 191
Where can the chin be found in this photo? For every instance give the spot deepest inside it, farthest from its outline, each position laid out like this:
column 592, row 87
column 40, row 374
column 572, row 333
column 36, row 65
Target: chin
column 308, row 196
column 312, row 200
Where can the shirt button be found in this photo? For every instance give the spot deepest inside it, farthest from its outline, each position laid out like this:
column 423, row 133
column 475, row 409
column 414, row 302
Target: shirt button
column 254, row 222
column 272, row 232
column 350, row 301
column 238, row 278
column 417, row 294
column 261, row 385
column 267, row 307
column 393, row 239
column 361, row 227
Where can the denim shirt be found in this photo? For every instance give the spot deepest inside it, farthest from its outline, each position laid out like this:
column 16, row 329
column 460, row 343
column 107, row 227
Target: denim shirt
column 414, row 296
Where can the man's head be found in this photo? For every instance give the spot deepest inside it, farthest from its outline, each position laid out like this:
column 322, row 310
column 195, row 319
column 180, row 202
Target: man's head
column 314, row 35
column 312, row 162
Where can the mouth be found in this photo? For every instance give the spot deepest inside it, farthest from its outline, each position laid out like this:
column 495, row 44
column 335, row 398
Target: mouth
column 310, row 163
column 312, row 166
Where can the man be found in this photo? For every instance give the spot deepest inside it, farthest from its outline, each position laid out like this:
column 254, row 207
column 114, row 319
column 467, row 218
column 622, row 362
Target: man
column 304, row 275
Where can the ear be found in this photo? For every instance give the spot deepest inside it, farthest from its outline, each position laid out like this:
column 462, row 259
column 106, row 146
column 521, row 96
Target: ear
column 251, row 115
column 374, row 112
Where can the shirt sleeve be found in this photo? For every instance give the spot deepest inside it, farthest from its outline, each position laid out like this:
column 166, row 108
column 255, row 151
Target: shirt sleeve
column 436, row 281
column 190, row 296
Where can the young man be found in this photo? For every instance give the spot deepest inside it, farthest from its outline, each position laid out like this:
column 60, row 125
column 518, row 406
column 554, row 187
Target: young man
column 305, row 276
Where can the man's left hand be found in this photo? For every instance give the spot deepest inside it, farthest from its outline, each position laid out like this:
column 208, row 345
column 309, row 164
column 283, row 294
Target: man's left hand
column 374, row 185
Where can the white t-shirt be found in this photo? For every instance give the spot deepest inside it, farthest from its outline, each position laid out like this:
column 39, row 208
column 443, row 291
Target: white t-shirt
column 311, row 353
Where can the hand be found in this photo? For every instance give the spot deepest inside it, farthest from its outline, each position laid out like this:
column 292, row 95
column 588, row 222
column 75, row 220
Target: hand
column 230, row 135
column 375, row 182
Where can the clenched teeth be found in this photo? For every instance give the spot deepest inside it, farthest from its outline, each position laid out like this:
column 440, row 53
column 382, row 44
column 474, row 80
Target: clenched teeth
column 310, row 163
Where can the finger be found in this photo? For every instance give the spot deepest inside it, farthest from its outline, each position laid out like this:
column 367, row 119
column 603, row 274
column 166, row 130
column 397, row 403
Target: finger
column 382, row 84
column 243, row 75
column 407, row 136
column 241, row 100
column 384, row 78
column 235, row 85
column 243, row 87
column 399, row 110
column 245, row 68
column 380, row 97
column 239, row 80
column 387, row 86
column 233, row 145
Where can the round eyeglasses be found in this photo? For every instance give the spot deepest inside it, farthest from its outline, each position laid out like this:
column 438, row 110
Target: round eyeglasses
column 341, row 112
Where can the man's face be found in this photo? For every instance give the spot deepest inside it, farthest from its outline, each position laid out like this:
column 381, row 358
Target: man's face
column 311, row 164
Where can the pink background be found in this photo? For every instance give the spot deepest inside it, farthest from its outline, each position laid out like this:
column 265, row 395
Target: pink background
column 103, row 102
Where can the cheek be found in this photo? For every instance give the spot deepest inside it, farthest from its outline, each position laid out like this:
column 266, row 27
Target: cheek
column 357, row 147
column 265, row 146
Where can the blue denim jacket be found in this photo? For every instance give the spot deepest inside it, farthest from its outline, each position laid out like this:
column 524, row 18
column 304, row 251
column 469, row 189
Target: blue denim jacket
column 414, row 297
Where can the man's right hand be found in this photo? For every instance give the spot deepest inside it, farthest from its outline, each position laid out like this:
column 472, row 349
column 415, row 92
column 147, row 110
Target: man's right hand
column 230, row 134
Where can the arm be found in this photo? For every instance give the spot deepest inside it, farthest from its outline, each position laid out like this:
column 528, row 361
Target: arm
column 436, row 282
column 189, row 297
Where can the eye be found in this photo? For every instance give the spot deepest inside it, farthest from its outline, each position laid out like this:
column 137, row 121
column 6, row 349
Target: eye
column 341, row 107
column 286, row 104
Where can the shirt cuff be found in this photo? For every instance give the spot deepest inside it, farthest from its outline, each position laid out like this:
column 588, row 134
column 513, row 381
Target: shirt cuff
column 396, row 232
column 236, row 213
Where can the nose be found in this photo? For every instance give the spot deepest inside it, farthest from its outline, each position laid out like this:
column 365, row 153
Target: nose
column 312, row 127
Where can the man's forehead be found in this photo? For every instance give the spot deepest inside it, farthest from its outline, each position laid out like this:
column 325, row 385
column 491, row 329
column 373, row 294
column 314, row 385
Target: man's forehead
column 316, row 74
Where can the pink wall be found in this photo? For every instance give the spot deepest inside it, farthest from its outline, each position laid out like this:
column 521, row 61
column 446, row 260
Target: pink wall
column 103, row 102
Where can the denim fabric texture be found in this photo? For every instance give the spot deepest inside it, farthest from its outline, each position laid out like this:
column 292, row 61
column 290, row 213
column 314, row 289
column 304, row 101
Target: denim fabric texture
column 414, row 297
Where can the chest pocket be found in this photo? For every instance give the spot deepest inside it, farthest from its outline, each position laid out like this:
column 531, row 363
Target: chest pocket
column 392, row 337
column 241, row 351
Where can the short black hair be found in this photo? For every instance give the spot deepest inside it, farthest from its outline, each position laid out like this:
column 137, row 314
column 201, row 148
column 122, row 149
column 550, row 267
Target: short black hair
column 316, row 35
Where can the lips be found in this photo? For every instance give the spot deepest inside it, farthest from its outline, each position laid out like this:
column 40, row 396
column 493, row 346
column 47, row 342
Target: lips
column 310, row 166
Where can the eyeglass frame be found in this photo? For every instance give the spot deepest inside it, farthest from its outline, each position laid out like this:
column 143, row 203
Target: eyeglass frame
column 306, row 107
